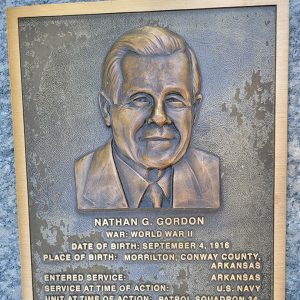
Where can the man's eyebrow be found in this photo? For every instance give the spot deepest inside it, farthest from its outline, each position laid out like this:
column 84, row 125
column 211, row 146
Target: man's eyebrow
column 175, row 93
column 179, row 92
column 139, row 93
column 133, row 92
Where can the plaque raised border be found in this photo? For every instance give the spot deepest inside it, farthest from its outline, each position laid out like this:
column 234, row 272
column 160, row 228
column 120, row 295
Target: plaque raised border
column 108, row 7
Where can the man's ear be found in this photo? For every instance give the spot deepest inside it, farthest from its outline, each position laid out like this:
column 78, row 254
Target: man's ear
column 196, row 107
column 105, row 104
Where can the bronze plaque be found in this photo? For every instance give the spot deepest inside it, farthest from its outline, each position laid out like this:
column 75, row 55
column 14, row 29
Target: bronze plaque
column 149, row 145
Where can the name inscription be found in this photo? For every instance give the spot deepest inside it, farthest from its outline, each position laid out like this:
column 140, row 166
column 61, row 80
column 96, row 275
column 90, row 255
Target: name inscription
column 231, row 274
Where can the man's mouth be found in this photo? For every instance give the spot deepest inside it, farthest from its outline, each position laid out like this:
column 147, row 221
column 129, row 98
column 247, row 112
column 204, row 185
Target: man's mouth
column 153, row 135
column 157, row 138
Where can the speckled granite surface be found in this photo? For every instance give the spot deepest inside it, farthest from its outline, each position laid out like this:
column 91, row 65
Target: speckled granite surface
column 9, row 256
column 293, row 194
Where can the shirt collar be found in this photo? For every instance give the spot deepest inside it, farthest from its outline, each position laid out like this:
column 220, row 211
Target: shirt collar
column 134, row 182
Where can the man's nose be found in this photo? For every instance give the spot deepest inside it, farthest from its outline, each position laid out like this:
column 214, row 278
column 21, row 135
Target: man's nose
column 158, row 115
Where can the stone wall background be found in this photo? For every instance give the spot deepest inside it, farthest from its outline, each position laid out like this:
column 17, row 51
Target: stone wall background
column 10, row 283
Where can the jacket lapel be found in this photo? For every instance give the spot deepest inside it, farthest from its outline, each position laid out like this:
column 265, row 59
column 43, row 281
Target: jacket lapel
column 103, row 188
column 195, row 182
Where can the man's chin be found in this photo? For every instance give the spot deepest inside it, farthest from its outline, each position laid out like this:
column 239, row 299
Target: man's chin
column 159, row 163
column 159, row 146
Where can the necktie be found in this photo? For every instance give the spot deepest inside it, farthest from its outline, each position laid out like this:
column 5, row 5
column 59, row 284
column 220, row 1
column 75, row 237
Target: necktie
column 153, row 196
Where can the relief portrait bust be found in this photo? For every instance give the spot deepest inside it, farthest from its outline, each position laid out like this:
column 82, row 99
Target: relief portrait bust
column 150, row 99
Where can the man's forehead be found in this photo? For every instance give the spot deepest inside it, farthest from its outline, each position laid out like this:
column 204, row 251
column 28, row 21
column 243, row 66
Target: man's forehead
column 148, row 71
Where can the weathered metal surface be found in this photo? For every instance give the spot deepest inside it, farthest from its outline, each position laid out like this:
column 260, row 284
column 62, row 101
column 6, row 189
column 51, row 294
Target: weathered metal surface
column 61, row 60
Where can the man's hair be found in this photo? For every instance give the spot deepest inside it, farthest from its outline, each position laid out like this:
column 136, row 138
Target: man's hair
column 145, row 41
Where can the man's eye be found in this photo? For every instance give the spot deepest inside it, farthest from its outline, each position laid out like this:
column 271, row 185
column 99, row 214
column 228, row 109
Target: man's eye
column 141, row 101
column 175, row 101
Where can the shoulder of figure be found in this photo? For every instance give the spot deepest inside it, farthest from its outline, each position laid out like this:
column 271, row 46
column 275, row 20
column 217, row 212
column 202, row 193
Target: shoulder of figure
column 98, row 155
column 83, row 160
column 203, row 156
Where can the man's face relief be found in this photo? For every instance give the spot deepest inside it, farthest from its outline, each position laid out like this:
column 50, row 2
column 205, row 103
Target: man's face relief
column 152, row 119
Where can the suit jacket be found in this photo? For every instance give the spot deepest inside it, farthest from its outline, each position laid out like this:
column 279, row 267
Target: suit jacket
column 196, row 181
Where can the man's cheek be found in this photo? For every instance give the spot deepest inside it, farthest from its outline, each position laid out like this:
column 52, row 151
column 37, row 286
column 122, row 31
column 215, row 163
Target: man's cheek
column 127, row 125
column 136, row 119
column 182, row 114
column 134, row 114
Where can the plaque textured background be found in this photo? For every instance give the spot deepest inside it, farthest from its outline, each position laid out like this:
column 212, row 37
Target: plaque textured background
column 9, row 269
column 61, row 60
